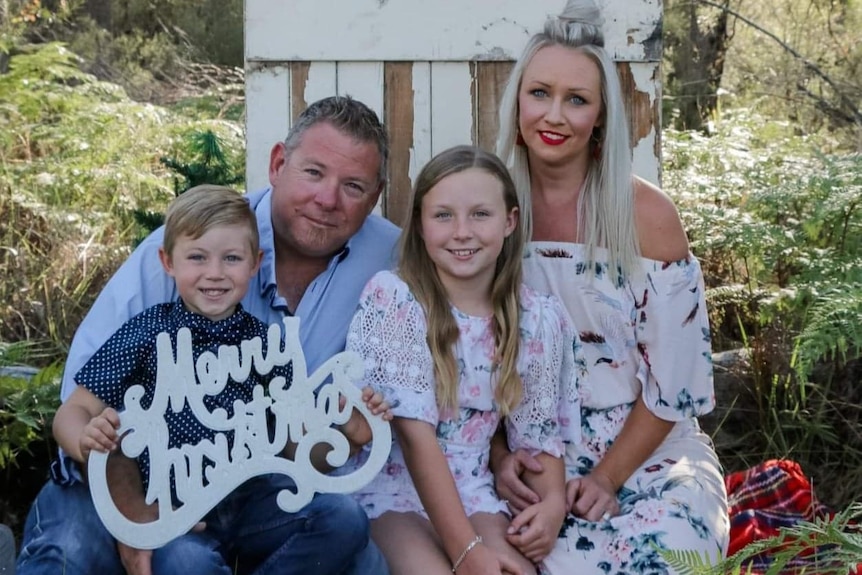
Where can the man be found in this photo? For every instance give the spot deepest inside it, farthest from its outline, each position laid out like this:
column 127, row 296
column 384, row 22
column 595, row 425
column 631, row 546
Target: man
column 320, row 245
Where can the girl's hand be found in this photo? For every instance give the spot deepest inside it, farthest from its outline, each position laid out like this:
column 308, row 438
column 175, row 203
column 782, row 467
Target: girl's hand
column 100, row 433
column 356, row 430
column 376, row 403
column 592, row 497
column 534, row 530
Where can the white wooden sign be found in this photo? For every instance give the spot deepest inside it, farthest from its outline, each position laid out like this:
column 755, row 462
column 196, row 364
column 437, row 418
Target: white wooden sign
column 301, row 415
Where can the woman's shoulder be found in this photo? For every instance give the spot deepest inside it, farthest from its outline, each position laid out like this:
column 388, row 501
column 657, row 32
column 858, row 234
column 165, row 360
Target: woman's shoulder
column 660, row 231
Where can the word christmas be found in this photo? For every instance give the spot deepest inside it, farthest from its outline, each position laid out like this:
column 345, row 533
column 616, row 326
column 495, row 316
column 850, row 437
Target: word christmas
column 303, row 412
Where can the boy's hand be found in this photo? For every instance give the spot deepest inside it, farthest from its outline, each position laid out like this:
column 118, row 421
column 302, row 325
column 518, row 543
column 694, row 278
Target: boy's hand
column 357, row 430
column 100, row 433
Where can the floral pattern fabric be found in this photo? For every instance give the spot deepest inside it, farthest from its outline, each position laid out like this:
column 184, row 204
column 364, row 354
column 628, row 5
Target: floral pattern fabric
column 646, row 337
column 389, row 332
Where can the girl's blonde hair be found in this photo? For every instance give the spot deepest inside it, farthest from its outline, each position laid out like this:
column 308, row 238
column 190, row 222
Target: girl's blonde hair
column 606, row 203
column 419, row 272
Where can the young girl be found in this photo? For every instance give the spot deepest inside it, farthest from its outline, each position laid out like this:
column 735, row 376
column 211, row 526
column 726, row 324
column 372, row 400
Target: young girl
column 456, row 342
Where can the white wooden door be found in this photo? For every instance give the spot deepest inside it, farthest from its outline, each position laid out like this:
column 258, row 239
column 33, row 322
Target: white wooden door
column 434, row 70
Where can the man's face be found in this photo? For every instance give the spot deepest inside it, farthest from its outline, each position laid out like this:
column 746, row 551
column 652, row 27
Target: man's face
column 323, row 191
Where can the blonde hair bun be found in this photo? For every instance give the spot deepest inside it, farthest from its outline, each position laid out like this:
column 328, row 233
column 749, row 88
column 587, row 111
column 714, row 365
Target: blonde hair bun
column 579, row 23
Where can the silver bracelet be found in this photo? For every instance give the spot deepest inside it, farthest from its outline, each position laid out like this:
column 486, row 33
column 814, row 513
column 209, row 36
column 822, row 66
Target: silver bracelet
column 469, row 548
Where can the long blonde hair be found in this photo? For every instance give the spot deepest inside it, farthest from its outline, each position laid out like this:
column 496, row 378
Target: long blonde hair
column 419, row 272
column 606, row 204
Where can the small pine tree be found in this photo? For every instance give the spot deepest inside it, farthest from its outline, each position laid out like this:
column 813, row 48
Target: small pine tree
column 209, row 166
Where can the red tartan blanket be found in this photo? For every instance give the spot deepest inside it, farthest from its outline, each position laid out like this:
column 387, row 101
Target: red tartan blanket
column 765, row 498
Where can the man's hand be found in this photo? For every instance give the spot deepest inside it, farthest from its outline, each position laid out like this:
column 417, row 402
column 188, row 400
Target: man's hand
column 136, row 561
column 592, row 496
column 510, row 487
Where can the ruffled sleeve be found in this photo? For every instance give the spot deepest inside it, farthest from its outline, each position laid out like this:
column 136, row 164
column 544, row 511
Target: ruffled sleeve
column 389, row 332
column 673, row 339
column 548, row 376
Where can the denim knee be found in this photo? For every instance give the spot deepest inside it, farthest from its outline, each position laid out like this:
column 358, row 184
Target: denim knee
column 341, row 520
column 193, row 553
column 63, row 534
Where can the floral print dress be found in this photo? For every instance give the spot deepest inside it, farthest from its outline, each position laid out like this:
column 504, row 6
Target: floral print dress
column 389, row 332
column 648, row 337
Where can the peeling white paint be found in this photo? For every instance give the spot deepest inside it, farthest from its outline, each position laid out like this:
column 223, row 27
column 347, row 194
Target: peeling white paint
column 420, row 152
column 644, row 75
column 454, row 30
column 267, row 120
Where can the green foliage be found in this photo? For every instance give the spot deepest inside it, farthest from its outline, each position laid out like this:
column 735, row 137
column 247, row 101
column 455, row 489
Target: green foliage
column 822, row 547
column 26, row 405
column 776, row 224
column 77, row 158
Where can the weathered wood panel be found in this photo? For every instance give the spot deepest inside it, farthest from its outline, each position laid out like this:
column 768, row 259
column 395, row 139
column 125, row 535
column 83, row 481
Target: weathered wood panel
column 442, row 30
column 399, row 108
column 491, row 78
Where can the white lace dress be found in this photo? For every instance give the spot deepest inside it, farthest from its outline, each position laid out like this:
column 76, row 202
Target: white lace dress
column 648, row 338
column 389, row 331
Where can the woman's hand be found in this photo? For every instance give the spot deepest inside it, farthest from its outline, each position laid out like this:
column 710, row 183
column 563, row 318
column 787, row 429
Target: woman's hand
column 592, row 497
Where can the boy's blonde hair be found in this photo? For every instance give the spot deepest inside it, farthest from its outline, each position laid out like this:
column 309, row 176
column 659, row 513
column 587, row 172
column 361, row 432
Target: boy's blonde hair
column 419, row 272
column 202, row 208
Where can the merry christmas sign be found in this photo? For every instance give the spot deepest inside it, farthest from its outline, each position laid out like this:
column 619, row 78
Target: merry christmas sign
column 305, row 411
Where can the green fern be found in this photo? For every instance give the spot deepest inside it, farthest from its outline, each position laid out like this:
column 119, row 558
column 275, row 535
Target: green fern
column 834, row 329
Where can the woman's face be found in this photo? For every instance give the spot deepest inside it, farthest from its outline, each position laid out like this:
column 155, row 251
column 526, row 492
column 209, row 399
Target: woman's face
column 560, row 102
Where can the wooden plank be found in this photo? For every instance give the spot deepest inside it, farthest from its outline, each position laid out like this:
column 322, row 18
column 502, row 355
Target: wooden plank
column 639, row 82
column 450, row 30
column 398, row 103
column 451, row 105
column 490, row 82
column 267, row 118
column 298, row 80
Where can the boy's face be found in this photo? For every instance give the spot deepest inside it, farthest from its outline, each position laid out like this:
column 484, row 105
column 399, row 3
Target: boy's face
column 212, row 272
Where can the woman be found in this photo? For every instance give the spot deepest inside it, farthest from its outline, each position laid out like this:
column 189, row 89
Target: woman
column 612, row 248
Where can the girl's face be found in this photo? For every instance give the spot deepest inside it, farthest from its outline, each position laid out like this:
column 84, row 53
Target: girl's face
column 560, row 102
column 463, row 223
column 213, row 271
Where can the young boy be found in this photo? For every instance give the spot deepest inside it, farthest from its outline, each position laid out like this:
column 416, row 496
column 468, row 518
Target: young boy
column 211, row 249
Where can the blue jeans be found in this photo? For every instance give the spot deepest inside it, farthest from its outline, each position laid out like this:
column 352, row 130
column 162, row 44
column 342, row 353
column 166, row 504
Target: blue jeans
column 247, row 533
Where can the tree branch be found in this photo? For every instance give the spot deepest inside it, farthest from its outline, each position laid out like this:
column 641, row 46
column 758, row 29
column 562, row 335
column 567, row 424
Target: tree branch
column 855, row 113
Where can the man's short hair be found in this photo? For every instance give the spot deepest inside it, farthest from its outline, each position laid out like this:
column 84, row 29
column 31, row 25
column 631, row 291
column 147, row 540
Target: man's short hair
column 349, row 116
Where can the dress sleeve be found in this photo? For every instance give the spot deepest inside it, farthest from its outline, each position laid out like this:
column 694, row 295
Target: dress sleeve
column 673, row 339
column 547, row 375
column 389, row 332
